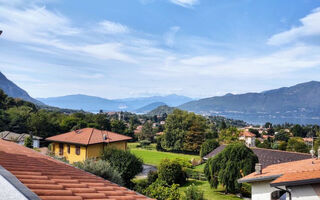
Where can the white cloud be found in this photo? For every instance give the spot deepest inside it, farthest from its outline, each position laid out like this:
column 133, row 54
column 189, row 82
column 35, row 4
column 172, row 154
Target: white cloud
column 185, row 3
column 169, row 37
column 310, row 26
column 110, row 27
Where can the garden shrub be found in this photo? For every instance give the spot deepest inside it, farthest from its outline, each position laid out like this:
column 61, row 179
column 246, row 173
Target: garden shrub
column 144, row 143
column 126, row 163
column 160, row 190
column 171, row 172
column 208, row 146
column 100, row 168
column 152, row 176
column 28, row 142
column 193, row 193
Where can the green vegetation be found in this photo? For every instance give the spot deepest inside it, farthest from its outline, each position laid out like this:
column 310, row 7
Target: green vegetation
column 193, row 193
column 28, row 142
column 153, row 157
column 171, row 172
column 208, row 146
column 297, row 144
column 184, row 132
column 209, row 193
column 229, row 165
column 100, row 168
column 160, row 190
column 126, row 163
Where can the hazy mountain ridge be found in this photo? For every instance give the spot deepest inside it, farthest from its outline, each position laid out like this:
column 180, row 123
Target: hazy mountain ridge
column 149, row 107
column 94, row 104
column 12, row 90
column 299, row 101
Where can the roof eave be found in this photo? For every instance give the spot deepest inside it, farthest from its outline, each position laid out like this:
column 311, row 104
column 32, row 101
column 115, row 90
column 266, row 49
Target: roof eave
column 259, row 179
column 296, row 183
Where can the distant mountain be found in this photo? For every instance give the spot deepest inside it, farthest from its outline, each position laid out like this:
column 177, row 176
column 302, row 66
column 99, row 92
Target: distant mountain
column 161, row 110
column 170, row 100
column 94, row 104
column 149, row 107
column 82, row 102
column 12, row 90
column 296, row 104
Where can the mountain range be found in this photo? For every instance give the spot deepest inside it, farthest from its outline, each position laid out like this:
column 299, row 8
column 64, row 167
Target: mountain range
column 296, row 104
column 12, row 90
column 95, row 104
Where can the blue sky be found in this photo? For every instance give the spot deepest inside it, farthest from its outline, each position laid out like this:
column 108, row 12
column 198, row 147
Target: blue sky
column 129, row 48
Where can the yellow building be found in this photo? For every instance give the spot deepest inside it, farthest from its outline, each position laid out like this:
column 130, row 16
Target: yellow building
column 86, row 143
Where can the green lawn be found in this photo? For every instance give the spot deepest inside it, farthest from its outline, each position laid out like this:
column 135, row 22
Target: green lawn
column 153, row 157
column 209, row 193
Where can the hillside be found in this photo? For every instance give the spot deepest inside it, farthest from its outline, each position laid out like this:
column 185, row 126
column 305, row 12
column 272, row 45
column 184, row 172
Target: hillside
column 159, row 111
column 297, row 104
column 149, row 107
column 12, row 90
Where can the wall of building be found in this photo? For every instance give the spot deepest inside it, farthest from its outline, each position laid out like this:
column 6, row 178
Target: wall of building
column 304, row 192
column 262, row 190
column 94, row 150
column 118, row 145
column 72, row 156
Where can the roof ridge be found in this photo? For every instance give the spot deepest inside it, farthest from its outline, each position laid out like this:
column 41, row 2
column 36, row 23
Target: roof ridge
column 280, row 150
column 90, row 136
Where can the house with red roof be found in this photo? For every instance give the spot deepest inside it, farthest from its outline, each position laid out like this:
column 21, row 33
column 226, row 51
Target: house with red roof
column 248, row 137
column 82, row 144
column 298, row 180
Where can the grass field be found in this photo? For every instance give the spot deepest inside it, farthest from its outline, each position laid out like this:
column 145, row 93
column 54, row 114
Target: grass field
column 153, row 157
column 209, row 193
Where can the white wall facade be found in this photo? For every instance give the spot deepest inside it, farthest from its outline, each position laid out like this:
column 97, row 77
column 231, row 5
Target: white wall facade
column 304, row 192
column 262, row 191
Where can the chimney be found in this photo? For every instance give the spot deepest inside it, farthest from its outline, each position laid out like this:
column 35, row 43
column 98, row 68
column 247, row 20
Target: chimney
column 104, row 136
column 319, row 153
column 258, row 168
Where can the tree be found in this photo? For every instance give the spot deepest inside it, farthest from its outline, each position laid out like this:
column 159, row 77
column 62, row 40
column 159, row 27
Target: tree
column 229, row 165
column 282, row 136
column 184, row 132
column 28, row 142
column 268, row 125
column 208, row 146
column 102, row 121
column 146, row 132
column 229, row 135
column 118, row 126
column 298, row 131
column 126, row 163
column 171, row 172
column 18, row 117
column 40, row 124
column 297, row 144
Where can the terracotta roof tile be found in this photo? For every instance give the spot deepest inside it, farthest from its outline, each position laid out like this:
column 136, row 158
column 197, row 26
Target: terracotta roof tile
column 289, row 173
column 54, row 180
column 88, row 136
column 247, row 134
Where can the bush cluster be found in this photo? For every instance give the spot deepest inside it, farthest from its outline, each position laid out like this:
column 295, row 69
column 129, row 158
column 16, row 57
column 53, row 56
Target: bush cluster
column 192, row 193
column 100, row 168
column 127, row 164
column 171, row 172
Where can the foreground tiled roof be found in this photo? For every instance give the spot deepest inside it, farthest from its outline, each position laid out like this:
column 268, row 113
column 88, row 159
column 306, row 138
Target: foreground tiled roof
column 53, row 180
column 291, row 173
column 268, row 156
column 88, row 136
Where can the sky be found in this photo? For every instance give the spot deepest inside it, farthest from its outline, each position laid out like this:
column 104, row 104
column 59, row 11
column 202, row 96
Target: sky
column 132, row 48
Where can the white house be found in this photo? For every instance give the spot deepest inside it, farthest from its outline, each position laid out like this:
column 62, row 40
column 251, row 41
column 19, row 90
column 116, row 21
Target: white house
column 298, row 180
column 249, row 138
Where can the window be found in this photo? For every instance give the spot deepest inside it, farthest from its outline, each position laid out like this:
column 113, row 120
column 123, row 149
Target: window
column 68, row 148
column 78, row 150
column 60, row 149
